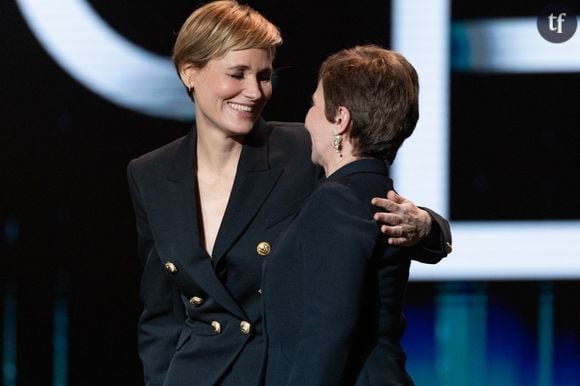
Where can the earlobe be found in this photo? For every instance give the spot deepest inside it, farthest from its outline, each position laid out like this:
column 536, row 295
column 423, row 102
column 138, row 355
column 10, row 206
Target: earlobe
column 186, row 73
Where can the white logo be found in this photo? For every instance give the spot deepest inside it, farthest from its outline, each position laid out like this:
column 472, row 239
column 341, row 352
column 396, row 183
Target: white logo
column 560, row 20
column 104, row 61
column 556, row 23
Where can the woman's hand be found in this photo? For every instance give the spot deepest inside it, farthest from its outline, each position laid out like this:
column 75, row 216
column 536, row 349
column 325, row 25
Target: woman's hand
column 404, row 222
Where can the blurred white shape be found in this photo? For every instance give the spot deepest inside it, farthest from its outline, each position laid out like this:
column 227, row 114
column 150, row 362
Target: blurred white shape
column 482, row 250
column 514, row 46
column 104, row 61
column 421, row 34
column 508, row 250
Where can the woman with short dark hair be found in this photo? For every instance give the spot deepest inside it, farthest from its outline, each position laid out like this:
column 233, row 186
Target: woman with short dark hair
column 334, row 289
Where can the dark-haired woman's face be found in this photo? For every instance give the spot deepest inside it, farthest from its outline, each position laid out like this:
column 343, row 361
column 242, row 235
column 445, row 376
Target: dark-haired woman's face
column 320, row 129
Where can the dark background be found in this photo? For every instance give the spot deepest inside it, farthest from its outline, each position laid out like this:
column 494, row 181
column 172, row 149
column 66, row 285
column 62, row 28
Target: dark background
column 68, row 223
column 64, row 151
column 514, row 137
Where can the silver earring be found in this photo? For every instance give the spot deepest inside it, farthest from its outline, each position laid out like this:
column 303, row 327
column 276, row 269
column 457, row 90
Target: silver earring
column 337, row 142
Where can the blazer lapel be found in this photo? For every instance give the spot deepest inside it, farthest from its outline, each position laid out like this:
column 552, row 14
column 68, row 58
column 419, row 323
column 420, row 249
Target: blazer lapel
column 181, row 213
column 253, row 183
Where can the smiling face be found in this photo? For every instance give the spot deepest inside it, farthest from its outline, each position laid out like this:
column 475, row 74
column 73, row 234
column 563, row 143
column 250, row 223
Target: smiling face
column 230, row 92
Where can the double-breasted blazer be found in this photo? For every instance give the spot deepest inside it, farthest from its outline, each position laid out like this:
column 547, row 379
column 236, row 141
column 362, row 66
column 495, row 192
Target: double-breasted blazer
column 334, row 289
column 201, row 322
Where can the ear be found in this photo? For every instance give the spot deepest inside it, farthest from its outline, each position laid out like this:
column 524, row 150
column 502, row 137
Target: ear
column 342, row 121
column 186, row 73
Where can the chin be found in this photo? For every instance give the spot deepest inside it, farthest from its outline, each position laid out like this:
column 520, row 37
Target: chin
column 240, row 130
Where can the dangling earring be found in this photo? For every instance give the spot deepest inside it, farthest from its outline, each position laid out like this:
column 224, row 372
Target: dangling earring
column 337, row 143
column 190, row 89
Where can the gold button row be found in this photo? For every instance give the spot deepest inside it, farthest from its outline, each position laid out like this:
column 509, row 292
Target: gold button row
column 245, row 327
column 263, row 248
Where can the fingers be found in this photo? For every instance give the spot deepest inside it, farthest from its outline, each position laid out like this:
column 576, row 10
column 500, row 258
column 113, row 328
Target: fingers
column 399, row 236
column 387, row 219
column 393, row 231
column 384, row 203
column 394, row 196
column 399, row 242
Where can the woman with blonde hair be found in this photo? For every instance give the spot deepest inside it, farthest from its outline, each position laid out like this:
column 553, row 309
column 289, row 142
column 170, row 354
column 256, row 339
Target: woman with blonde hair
column 210, row 206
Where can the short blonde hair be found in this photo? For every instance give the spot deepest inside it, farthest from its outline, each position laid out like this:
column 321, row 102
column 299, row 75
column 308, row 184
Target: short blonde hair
column 218, row 27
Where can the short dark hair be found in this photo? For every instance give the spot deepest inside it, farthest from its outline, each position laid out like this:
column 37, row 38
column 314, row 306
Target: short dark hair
column 380, row 88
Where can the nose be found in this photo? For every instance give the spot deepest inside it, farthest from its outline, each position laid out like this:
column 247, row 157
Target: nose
column 253, row 89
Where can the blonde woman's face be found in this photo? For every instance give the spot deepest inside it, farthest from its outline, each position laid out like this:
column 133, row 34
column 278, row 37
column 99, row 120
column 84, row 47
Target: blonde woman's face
column 230, row 92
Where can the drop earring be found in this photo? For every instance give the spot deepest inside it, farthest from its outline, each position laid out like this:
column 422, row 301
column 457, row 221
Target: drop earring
column 337, row 143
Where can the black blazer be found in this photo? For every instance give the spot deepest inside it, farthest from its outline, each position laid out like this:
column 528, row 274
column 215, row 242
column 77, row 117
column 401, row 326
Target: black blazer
column 183, row 291
column 334, row 289
column 202, row 322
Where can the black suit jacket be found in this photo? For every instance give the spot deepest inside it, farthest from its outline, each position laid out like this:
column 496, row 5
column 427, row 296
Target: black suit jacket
column 194, row 306
column 334, row 289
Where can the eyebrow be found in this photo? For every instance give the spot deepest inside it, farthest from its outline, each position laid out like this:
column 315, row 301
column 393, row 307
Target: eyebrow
column 244, row 67
column 239, row 67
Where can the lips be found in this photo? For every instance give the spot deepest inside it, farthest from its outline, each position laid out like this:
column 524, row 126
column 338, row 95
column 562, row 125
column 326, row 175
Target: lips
column 242, row 108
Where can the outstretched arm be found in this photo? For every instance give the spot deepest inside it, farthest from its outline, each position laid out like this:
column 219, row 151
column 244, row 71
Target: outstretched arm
column 410, row 226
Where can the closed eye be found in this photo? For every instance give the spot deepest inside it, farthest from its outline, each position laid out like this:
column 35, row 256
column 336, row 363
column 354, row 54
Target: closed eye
column 265, row 76
column 237, row 75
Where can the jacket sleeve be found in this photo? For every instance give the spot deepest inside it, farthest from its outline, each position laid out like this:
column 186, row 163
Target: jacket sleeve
column 437, row 244
column 336, row 243
column 162, row 317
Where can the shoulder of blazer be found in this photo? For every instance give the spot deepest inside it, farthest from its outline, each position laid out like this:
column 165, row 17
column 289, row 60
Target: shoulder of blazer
column 284, row 140
column 289, row 145
column 167, row 160
column 290, row 133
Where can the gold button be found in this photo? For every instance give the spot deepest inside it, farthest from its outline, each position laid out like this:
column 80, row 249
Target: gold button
column 171, row 267
column 216, row 326
column 449, row 248
column 263, row 248
column 196, row 300
column 245, row 327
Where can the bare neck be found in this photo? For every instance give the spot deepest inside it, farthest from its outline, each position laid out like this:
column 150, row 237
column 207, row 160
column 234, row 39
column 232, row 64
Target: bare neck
column 217, row 161
column 217, row 153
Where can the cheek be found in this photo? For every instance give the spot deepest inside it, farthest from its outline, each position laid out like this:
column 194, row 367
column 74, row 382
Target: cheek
column 316, row 125
column 267, row 91
column 308, row 119
column 225, row 89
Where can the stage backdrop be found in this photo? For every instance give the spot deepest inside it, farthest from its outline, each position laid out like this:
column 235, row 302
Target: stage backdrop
column 88, row 85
